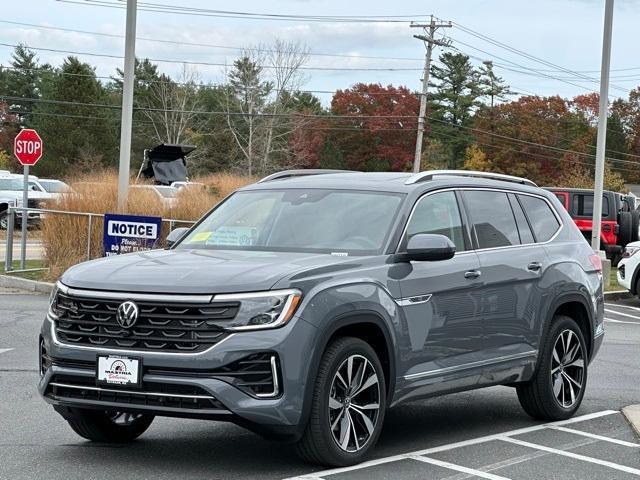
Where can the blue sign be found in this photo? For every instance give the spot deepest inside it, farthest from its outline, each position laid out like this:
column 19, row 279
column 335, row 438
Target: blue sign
column 130, row 233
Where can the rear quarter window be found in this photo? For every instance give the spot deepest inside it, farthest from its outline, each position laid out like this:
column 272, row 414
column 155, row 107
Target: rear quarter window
column 543, row 221
column 583, row 205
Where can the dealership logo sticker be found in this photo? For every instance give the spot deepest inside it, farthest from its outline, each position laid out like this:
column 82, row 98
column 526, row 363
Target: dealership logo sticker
column 127, row 314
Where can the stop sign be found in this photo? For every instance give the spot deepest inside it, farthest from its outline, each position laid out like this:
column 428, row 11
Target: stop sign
column 27, row 147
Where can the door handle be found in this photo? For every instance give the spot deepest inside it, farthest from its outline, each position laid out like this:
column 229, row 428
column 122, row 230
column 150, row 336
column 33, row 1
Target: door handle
column 534, row 266
column 471, row 274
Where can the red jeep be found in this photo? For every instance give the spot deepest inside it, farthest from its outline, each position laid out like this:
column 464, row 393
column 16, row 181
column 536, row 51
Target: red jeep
column 620, row 222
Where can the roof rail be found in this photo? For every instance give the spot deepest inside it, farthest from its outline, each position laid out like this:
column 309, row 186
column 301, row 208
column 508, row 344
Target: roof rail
column 430, row 174
column 300, row 173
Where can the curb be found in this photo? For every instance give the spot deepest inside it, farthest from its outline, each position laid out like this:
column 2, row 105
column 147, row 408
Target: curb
column 25, row 284
column 617, row 295
column 632, row 414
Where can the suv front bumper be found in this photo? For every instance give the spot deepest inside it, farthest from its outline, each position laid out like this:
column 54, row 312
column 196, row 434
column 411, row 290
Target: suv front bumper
column 191, row 385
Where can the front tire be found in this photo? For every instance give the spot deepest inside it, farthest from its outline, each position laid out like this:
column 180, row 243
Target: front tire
column 108, row 427
column 557, row 388
column 348, row 405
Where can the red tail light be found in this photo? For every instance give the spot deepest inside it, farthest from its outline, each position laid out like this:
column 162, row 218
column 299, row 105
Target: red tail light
column 596, row 261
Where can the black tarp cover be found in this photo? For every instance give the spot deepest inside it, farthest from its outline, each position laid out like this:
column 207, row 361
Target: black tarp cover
column 167, row 163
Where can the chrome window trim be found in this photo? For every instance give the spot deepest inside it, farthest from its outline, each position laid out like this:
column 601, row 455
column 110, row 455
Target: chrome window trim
column 490, row 189
column 466, row 366
column 120, row 351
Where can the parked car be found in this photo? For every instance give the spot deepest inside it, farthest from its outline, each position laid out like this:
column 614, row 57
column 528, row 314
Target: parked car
column 181, row 185
column 620, row 221
column 11, row 193
column 168, row 196
column 55, row 188
column 307, row 304
column 628, row 272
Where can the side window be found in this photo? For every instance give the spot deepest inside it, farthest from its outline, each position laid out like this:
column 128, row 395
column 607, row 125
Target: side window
column 438, row 214
column 523, row 225
column 492, row 218
column 543, row 221
column 583, row 205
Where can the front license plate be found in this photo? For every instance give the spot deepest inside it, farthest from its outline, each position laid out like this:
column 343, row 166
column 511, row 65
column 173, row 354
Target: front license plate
column 119, row 370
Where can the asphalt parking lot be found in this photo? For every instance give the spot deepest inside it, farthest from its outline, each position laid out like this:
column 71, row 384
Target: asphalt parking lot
column 479, row 434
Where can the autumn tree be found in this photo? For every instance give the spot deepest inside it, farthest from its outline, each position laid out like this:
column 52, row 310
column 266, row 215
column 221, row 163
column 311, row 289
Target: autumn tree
column 476, row 159
column 379, row 133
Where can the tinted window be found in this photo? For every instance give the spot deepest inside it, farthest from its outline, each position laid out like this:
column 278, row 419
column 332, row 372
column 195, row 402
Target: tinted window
column 583, row 205
column 523, row 226
column 541, row 217
column 492, row 218
column 438, row 214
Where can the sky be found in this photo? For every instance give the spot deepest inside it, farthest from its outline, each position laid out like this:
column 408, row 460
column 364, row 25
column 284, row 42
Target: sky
column 566, row 33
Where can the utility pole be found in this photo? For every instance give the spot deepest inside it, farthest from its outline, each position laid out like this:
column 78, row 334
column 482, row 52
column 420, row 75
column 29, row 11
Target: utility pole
column 127, row 105
column 429, row 39
column 602, row 125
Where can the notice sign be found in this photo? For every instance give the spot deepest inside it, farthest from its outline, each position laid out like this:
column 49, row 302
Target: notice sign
column 130, row 233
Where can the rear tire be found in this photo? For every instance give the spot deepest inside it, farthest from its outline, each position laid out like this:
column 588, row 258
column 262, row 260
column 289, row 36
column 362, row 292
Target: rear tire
column 625, row 233
column 557, row 388
column 107, row 427
column 4, row 220
column 346, row 415
column 635, row 225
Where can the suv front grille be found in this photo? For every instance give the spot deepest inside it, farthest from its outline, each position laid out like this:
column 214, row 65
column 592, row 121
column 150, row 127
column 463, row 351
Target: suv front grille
column 166, row 327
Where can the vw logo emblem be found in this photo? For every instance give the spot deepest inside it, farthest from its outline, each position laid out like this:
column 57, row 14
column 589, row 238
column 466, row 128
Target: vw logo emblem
column 127, row 314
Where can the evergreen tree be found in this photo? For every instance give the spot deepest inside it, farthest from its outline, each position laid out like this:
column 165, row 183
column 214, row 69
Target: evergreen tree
column 23, row 83
column 76, row 132
column 457, row 90
column 492, row 86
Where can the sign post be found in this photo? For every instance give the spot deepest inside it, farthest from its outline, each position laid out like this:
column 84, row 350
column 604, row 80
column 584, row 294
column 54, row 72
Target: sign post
column 27, row 147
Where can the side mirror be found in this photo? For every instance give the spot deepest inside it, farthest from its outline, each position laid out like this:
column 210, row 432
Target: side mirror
column 426, row 247
column 175, row 235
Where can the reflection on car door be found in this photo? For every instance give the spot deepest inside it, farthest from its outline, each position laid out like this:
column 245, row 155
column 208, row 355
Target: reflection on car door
column 440, row 302
column 511, row 264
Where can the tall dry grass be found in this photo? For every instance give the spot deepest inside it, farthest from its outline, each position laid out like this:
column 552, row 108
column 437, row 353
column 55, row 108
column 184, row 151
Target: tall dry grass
column 65, row 237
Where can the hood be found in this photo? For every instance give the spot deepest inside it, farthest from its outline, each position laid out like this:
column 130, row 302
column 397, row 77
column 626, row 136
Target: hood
column 195, row 271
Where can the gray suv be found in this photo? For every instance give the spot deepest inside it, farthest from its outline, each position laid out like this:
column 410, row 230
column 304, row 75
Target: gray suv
column 304, row 306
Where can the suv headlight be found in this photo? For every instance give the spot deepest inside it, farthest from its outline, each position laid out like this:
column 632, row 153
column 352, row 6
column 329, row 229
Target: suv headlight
column 261, row 310
column 630, row 251
column 53, row 301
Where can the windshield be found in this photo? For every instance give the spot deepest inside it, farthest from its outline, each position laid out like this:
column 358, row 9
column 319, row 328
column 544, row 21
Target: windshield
column 11, row 184
column 54, row 186
column 340, row 222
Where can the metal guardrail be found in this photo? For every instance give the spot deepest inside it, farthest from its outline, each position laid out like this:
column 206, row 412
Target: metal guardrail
column 12, row 211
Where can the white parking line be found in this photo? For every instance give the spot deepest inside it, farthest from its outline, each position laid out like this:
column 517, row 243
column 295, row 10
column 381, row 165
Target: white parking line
column 593, row 435
column 577, row 456
column 623, row 314
column 451, row 446
column 459, row 468
column 620, row 321
column 617, row 305
column 4, row 350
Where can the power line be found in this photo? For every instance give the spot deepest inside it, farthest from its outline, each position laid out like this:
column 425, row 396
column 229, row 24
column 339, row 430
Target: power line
column 205, row 45
column 204, row 12
column 213, row 64
column 396, row 118
column 529, row 56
